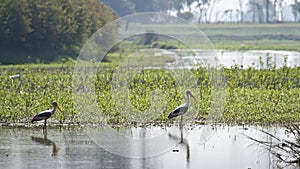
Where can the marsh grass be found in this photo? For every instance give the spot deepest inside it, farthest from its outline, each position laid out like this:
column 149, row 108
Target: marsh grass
column 264, row 96
column 285, row 149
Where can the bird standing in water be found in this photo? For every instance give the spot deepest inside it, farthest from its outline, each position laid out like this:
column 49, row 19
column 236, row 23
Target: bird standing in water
column 44, row 115
column 181, row 110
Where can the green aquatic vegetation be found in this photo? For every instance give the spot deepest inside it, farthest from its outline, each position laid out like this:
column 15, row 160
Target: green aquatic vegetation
column 264, row 106
column 266, row 95
column 252, row 96
column 37, row 88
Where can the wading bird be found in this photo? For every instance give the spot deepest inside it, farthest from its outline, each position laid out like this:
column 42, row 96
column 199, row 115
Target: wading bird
column 182, row 109
column 18, row 76
column 44, row 115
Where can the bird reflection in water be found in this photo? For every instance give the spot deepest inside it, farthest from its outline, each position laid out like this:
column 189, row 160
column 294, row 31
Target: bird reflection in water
column 183, row 142
column 45, row 141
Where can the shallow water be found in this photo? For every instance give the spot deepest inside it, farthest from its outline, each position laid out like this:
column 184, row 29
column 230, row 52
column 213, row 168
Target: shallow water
column 257, row 59
column 205, row 147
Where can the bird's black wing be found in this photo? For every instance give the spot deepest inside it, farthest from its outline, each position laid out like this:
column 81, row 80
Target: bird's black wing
column 41, row 116
column 174, row 113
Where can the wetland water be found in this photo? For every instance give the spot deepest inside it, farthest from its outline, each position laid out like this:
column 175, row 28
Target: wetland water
column 253, row 58
column 213, row 147
column 204, row 147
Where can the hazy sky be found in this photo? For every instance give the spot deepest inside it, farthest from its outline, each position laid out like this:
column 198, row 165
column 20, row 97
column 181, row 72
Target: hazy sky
column 234, row 4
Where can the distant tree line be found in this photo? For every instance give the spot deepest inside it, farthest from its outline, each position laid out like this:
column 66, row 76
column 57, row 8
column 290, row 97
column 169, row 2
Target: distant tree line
column 270, row 11
column 296, row 11
column 255, row 11
column 127, row 7
column 44, row 30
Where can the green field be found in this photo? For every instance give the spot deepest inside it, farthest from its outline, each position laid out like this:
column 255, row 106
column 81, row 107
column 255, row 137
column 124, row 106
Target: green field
column 242, row 36
column 257, row 36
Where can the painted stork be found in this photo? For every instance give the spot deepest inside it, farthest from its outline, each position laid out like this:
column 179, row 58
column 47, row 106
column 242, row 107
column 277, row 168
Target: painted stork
column 44, row 115
column 182, row 109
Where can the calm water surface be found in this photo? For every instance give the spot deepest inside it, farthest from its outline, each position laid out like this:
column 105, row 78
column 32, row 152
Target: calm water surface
column 207, row 147
column 257, row 59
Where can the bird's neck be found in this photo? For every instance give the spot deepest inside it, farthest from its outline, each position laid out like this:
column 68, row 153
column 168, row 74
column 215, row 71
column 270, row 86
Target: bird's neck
column 54, row 109
column 188, row 99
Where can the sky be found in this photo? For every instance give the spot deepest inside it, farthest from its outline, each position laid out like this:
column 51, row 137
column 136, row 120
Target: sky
column 234, row 4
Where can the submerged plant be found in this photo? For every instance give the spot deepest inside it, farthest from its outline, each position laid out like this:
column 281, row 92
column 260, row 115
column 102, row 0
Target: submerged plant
column 286, row 150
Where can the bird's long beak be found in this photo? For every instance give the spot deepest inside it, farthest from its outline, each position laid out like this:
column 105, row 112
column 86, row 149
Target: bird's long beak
column 193, row 97
column 58, row 108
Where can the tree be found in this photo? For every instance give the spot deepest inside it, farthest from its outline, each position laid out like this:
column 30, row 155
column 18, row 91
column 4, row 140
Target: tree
column 211, row 8
column 127, row 7
column 260, row 10
column 185, row 15
column 296, row 10
column 204, row 7
column 241, row 11
column 277, row 17
column 267, row 10
column 163, row 5
column 15, row 21
column 256, row 7
column 143, row 6
column 47, row 29
column 122, row 7
column 178, row 4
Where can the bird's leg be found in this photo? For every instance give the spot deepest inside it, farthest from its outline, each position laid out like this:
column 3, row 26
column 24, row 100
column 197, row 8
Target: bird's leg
column 181, row 129
column 45, row 124
column 180, row 123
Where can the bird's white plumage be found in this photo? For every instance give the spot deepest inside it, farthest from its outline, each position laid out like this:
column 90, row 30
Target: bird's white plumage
column 18, row 76
column 44, row 115
column 180, row 110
